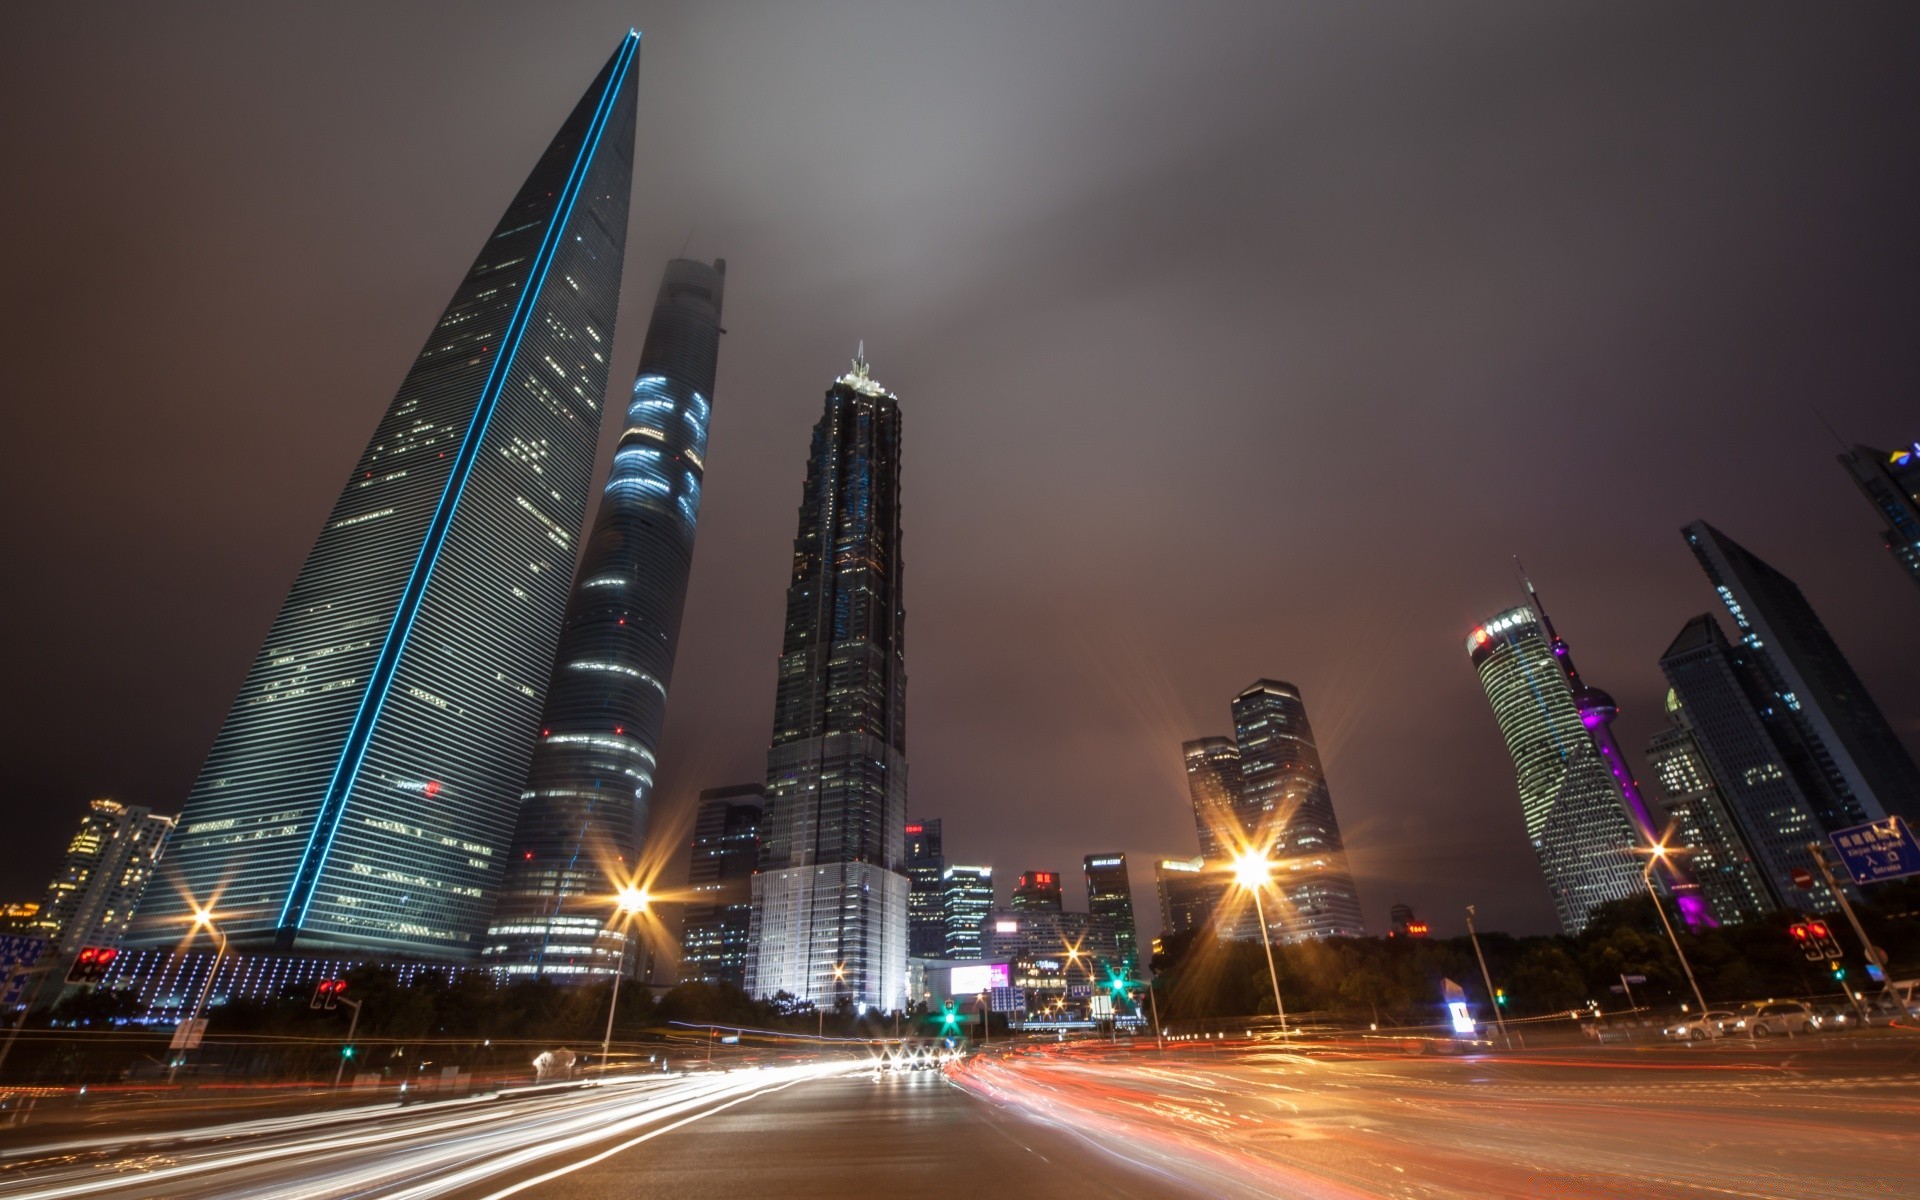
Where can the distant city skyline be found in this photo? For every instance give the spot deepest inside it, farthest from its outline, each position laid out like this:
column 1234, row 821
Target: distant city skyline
column 1427, row 330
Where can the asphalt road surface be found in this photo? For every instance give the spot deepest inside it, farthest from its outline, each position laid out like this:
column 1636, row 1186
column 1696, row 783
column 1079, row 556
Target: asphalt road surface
column 1835, row 1118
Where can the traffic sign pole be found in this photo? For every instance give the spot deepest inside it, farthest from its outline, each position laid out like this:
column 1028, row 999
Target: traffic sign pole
column 1873, row 953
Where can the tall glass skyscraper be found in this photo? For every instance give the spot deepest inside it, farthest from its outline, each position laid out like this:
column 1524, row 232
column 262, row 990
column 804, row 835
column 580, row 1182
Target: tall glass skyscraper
column 1703, row 823
column 583, row 811
column 1214, row 788
column 1110, row 900
column 1576, row 815
column 830, row 901
column 1753, row 754
column 966, row 897
column 363, row 789
column 1891, row 483
column 1285, row 791
column 1867, row 772
column 724, row 855
column 926, row 881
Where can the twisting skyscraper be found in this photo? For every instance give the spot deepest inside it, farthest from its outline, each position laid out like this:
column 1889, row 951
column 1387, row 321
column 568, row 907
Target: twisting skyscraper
column 363, row 789
column 830, row 901
column 1571, row 793
column 583, row 812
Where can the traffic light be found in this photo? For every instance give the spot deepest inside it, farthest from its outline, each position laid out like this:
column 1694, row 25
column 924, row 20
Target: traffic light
column 327, row 993
column 1824, row 939
column 346, row 1052
column 90, row 965
column 1500, row 997
column 949, row 1019
column 1803, row 936
column 1839, row 971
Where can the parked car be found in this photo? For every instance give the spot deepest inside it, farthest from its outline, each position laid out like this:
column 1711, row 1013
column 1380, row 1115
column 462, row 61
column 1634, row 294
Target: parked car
column 1691, row 1028
column 1777, row 1017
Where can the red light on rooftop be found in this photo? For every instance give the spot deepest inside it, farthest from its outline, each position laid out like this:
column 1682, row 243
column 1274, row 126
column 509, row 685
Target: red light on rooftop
column 433, row 787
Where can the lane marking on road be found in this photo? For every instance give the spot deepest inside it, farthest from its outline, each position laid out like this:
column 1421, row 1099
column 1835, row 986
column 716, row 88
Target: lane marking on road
column 630, row 1143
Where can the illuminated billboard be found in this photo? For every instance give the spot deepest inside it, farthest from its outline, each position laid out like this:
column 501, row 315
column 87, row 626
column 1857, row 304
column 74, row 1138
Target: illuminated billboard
column 983, row 977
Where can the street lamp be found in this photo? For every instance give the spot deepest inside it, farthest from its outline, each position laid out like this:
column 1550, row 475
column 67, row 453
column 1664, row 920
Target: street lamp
column 1659, row 855
column 1253, row 871
column 820, row 1026
column 202, row 919
column 628, row 903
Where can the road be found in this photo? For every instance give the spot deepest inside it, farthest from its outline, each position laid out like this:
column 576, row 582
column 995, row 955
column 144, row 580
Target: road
column 1828, row 1117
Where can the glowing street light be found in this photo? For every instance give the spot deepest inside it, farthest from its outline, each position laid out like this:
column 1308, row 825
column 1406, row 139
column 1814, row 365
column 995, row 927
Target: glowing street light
column 839, row 976
column 1655, row 855
column 1253, row 871
column 628, row 903
column 202, row 919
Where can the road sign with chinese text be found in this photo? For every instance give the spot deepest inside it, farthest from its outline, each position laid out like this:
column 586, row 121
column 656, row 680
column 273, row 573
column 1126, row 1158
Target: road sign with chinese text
column 1878, row 851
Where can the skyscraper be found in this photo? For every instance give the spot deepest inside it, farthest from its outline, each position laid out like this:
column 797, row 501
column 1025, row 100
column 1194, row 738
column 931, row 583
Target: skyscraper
column 1187, row 896
column 1284, row 790
column 725, row 850
column 108, row 865
column 1868, row 773
column 1576, row 817
column 1752, row 749
column 362, row 792
column 1214, row 787
column 583, row 810
column 830, row 901
column 1703, row 823
column 926, row 883
column 966, row 897
column 1891, row 483
column 1110, row 899
column 1037, row 891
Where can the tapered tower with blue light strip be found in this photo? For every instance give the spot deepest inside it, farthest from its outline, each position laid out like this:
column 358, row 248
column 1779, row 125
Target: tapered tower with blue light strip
column 362, row 793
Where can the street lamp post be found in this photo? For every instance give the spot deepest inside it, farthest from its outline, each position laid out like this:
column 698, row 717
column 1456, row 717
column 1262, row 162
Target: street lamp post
column 630, row 902
column 1253, row 872
column 202, row 919
column 1492, row 998
column 1658, row 855
column 820, row 1026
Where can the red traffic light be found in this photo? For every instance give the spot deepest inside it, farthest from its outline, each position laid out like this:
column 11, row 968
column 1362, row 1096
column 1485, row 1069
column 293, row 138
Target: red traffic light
column 90, row 965
column 327, row 993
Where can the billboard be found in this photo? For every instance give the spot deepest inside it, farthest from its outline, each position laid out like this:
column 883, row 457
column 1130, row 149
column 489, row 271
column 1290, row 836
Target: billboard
column 972, row 980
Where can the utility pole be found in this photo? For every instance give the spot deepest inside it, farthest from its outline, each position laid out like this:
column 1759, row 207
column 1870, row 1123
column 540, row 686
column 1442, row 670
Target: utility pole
column 1486, row 977
column 1875, row 955
column 1153, row 999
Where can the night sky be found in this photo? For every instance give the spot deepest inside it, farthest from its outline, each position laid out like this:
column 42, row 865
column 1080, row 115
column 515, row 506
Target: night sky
column 1233, row 341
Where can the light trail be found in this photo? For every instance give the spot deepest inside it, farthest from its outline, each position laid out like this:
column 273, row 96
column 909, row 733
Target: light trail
column 426, row 1150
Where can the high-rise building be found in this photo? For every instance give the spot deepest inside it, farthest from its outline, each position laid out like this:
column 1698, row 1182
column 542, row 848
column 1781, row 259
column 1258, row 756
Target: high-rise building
column 361, row 794
column 1214, row 787
column 1576, row 816
column 1037, row 891
column 1188, row 895
column 1754, row 755
column 1110, row 899
column 725, row 851
column 1891, row 483
column 108, row 865
column 1867, row 773
column 1703, row 823
column 926, row 884
column 1289, row 810
column 583, row 812
column 830, row 900
column 966, row 897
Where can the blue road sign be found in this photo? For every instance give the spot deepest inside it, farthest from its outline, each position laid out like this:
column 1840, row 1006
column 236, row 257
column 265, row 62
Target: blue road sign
column 1878, row 851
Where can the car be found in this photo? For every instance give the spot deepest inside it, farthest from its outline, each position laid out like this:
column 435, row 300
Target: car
column 1777, row 1017
column 1837, row 1017
column 1713, row 1024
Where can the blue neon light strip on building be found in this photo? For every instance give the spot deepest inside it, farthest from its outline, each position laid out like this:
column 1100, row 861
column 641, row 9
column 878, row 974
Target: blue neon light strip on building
column 346, row 773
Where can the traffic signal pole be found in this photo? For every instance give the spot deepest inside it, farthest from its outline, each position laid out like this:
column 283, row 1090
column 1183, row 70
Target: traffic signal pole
column 352, row 1025
column 1875, row 955
column 1493, row 998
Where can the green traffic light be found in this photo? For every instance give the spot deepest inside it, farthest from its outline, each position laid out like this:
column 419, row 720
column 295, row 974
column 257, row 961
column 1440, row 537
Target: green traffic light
column 346, row 1052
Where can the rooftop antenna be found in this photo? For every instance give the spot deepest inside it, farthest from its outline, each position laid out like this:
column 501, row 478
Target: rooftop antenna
column 1825, row 424
column 689, row 241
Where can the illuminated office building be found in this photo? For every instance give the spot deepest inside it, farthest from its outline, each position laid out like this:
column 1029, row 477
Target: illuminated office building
column 1703, row 823
column 966, row 897
column 1214, row 787
column 583, row 812
column 1891, row 483
column 1110, row 900
column 724, row 853
column 1189, row 895
column 926, row 883
column 1288, row 812
column 1037, row 891
column 830, row 900
column 1863, row 772
column 362, row 791
column 1575, row 813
